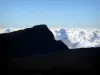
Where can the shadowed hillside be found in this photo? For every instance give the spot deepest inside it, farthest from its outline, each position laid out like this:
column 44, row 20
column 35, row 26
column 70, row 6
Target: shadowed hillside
column 34, row 50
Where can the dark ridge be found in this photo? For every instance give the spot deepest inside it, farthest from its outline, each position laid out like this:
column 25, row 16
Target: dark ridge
column 34, row 50
column 38, row 39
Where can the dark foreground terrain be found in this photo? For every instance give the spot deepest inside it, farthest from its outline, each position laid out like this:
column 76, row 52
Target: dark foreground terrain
column 35, row 51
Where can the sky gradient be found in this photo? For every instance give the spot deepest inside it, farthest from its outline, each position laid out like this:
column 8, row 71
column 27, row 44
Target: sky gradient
column 54, row 13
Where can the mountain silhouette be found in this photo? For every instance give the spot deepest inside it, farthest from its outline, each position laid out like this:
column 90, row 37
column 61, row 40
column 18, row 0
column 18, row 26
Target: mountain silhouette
column 34, row 50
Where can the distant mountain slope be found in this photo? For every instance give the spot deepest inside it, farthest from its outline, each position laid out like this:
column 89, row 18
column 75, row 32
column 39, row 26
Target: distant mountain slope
column 35, row 49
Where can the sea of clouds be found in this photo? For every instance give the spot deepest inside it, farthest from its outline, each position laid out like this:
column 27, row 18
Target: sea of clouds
column 78, row 37
column 72, row 37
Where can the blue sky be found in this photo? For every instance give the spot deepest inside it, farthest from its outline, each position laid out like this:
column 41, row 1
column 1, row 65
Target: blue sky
column 54, row 13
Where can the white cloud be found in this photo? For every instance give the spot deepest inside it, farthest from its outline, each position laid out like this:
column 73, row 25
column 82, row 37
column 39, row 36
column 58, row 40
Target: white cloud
column 74, row 37
column 7, row 30
column 78, row 37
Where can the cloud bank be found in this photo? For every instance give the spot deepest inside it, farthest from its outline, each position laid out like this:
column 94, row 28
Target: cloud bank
column 72, row 37
column 78, row 37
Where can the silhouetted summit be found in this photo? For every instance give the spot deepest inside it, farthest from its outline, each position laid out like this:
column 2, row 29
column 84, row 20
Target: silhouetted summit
column 38, row 39
column 34, row 50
